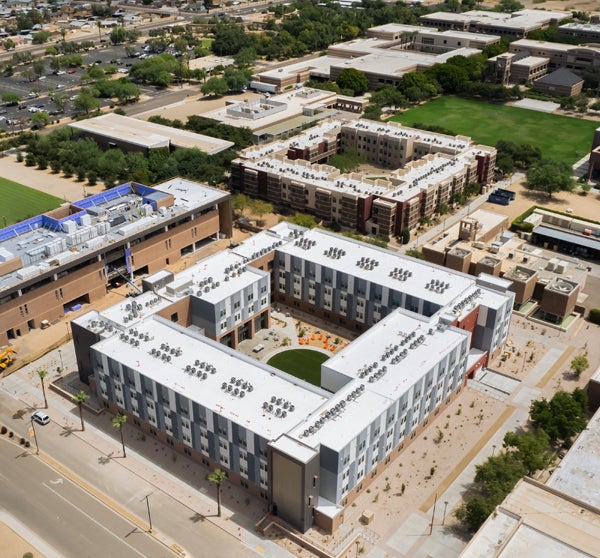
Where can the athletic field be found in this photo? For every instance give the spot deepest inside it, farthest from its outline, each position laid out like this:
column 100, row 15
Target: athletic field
column 18, row 202
column 559, row 137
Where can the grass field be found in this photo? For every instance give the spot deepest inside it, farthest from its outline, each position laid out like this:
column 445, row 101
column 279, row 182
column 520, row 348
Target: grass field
column 18, row 202
column 301, row 363
column 559, row 137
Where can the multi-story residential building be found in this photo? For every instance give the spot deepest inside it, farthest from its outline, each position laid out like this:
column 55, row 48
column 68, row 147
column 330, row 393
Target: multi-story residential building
column 437, row 167
column 57, row 261
column 307, row 450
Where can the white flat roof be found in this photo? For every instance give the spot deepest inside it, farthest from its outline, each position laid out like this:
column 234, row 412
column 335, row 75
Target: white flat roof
column 188, row 193
column 415, row 285
column 578, row 474
column 149, row 134
column 247, row 411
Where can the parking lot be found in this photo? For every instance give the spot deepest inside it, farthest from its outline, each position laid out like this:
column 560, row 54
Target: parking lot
column 37, row 92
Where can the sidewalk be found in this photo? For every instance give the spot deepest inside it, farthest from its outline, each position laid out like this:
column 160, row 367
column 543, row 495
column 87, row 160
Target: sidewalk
column 182, row 502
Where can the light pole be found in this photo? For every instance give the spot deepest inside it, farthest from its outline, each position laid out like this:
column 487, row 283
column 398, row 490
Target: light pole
column 357, row 547
column 62, row 367
column 433, row 515
column 445, row 506
column 37, row 447
column 493, row 450
column 149, row 516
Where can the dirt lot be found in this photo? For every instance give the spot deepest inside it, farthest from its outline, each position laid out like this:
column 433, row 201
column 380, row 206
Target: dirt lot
column 14, row 546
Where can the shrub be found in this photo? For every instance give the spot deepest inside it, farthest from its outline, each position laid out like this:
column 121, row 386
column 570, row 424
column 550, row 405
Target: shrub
column 594, row 316
column 3, row 430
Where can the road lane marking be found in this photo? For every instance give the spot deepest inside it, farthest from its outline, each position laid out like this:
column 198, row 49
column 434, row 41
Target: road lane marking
column 57, row 481
column 94, row 520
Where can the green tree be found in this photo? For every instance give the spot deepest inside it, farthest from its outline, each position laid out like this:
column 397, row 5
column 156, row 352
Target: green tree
column 405, row 236
column 80, row 398
column 550, row 176
column 11, row 98
column 118, row 35
column 532, row 449
column 260, row 208
column 86, row 102
column 60, row 100
column 216, row 86
column 509, row 6
column 39, row 66
column 42, row 375
column 245, row 57
column 579, row 365
column 217, row 477
column 118, row 422
column 240, row 203
column 40, row 119
column 563, row 416
column 353, row 79
column 9, row 44
column 40, row 37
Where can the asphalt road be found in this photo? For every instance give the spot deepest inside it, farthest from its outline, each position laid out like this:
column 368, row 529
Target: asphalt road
column 106, row 474
column 70, row 520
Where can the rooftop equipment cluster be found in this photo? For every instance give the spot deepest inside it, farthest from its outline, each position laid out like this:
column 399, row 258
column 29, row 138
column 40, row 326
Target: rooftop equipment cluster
column 305, row 243
column 207, row 285
column 334, row 253
column 133, row 337
column 437, row 286
column 237, row 387
column 278, row 406
column 400, row 274
column 466, row 301
column 367, row 263
column 200, row 369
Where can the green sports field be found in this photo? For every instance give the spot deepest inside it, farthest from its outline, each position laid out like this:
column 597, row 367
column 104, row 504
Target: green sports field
column 301, row 363
column 18, row 202
column 559, row 137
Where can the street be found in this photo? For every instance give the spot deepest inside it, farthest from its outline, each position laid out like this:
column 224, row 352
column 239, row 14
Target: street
column 116, row 486
column 68, row 519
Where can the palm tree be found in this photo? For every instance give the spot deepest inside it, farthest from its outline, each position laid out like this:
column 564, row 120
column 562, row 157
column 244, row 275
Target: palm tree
column 42, row 374
column 118, row 422
column 80, row 398
column 217, row 477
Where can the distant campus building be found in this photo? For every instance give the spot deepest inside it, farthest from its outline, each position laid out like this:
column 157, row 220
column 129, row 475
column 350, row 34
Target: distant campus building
column 166, row 359
column 435, row 167
column 55, row 262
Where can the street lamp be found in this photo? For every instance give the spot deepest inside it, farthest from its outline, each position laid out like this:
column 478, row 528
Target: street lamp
column 493, row 449
column 149, row 516
column 357, row 548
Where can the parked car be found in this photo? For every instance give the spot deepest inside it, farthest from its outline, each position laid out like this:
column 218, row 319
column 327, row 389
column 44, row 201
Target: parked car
column 71, row 71
column 40, row 417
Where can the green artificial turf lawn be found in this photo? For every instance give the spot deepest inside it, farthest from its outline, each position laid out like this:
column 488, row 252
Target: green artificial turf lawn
column 301, row 363
column 18, row 202
column 559, row 137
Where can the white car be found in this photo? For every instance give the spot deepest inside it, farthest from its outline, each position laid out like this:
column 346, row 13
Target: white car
column 61, row 73
column 123, row 70
column 40, row 417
